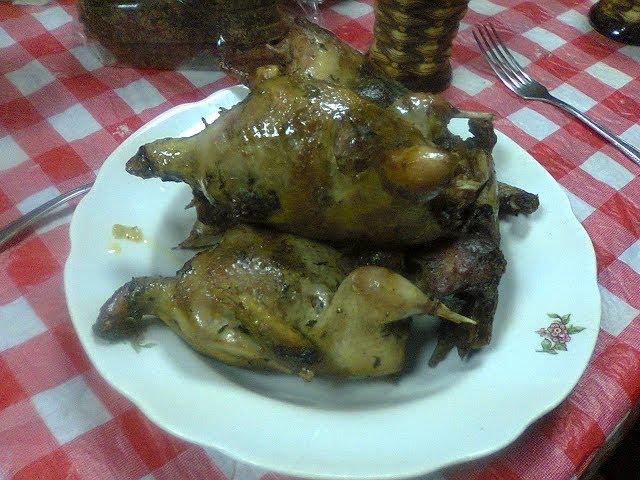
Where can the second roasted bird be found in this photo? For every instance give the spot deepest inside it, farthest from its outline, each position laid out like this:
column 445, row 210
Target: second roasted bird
column 276, row 301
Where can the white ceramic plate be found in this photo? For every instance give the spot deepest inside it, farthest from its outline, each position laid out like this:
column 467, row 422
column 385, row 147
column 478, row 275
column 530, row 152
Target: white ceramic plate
column 430, row 419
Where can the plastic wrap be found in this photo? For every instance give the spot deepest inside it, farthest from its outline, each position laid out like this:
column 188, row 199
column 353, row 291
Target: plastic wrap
column 171, row 34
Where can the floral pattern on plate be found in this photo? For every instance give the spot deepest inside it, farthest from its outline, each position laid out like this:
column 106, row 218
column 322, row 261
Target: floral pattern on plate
column 557, row 334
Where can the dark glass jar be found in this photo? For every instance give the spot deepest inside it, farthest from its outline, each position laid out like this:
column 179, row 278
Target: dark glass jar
column 617, row 19
column 412, row 40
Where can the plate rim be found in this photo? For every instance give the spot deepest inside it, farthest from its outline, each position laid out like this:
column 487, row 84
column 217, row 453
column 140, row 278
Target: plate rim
column 273, row 465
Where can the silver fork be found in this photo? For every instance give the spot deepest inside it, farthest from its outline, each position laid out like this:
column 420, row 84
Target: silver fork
column 519, row 82
column 28, row 219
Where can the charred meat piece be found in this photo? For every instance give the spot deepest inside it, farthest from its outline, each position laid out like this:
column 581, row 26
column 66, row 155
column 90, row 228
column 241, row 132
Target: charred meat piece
column 514, row 200
column 464, row 273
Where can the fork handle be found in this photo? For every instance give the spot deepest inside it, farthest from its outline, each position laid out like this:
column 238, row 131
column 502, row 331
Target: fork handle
column 11, row 230
column 629, row 150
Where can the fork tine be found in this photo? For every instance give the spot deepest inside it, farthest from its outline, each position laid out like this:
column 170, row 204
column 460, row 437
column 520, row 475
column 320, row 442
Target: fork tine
column 499, row 56
column 503, row 77
column 491, row 59
column 508, row 55
column 493, row 63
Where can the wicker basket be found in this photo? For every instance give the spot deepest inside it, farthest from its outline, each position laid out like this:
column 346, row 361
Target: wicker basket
column 412, row 40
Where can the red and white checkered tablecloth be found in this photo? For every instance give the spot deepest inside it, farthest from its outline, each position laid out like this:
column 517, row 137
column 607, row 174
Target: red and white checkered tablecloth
column 62, row 113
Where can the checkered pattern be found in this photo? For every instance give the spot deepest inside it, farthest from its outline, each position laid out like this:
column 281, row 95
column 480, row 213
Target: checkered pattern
column 62, row 113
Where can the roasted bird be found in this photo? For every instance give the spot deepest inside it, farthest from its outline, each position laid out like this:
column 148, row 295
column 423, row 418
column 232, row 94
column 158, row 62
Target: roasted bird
column 313, row 158
column 277, row 301
column 326, row 147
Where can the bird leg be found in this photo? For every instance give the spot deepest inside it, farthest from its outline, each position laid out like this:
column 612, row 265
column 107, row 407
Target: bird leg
column 356, row 332
column 208, row 327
